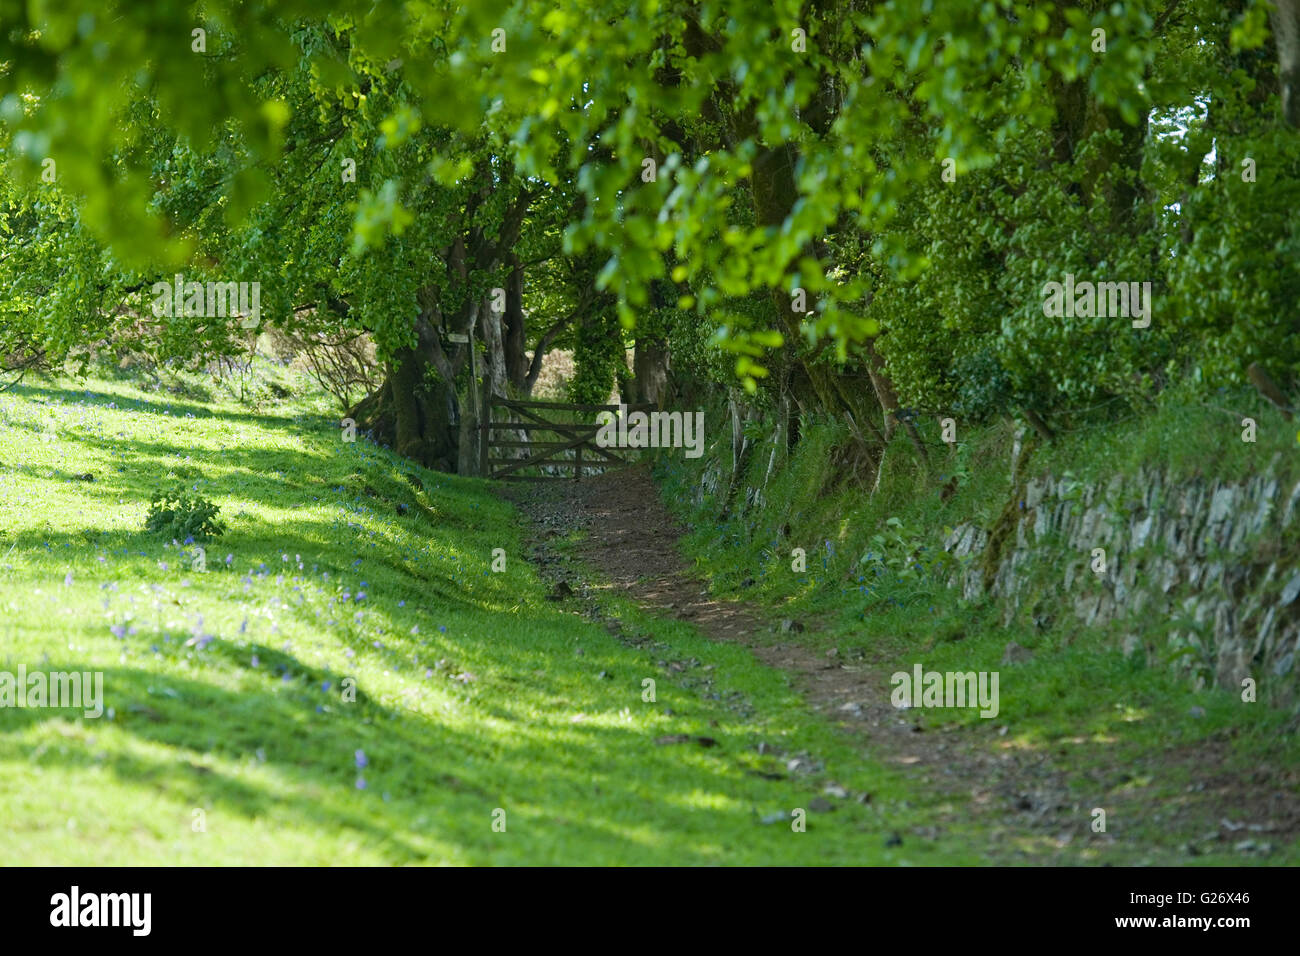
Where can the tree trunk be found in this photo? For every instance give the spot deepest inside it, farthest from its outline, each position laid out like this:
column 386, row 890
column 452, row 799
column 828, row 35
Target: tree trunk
column 424, row 411
column 514, row 331
column 888, row 398
column 496, row 363
column 1121, row 165
column 883, row 387
column 774, row 197
column 650, row 365
column 417, row 411
column 1285, row 18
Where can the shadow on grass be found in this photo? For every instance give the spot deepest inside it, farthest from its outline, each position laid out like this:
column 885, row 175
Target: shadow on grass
column 424, row 776
column 572, row 790
column 177, row 409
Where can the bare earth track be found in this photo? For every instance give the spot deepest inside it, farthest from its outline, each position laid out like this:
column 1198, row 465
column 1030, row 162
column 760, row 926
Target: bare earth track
column 1026, row 802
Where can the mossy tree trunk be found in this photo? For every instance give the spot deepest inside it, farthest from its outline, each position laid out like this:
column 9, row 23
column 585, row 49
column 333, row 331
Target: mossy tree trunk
column 418, row 409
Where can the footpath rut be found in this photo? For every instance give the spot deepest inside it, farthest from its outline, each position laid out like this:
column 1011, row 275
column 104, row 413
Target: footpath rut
column 1027, row 806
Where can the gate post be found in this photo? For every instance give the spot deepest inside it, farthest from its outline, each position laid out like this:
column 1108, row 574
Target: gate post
column 485, row 436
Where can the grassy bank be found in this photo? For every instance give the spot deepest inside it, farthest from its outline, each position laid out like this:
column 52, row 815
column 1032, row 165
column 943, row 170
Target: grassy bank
column 228, row 735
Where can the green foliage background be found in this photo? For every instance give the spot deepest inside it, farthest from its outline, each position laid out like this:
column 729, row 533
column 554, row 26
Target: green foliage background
column 1121, row 162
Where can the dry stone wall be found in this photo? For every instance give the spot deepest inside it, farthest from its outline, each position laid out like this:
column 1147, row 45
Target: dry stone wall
column 1213, row 567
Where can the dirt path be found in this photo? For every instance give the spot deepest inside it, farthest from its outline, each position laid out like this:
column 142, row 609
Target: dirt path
column 1028, row 807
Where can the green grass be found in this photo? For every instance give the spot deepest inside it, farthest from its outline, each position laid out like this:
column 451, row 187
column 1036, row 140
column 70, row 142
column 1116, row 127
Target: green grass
column 472, row 692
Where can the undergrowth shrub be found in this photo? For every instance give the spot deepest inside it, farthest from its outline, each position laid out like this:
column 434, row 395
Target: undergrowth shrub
column 175, row 513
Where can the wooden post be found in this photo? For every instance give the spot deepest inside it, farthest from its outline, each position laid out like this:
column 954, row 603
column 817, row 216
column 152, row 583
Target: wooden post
column 485, row 436
column 577, row 463
column 484, row 407
column 476, row 395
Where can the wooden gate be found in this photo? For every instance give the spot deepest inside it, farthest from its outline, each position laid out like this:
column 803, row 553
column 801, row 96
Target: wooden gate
column 573, row 447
